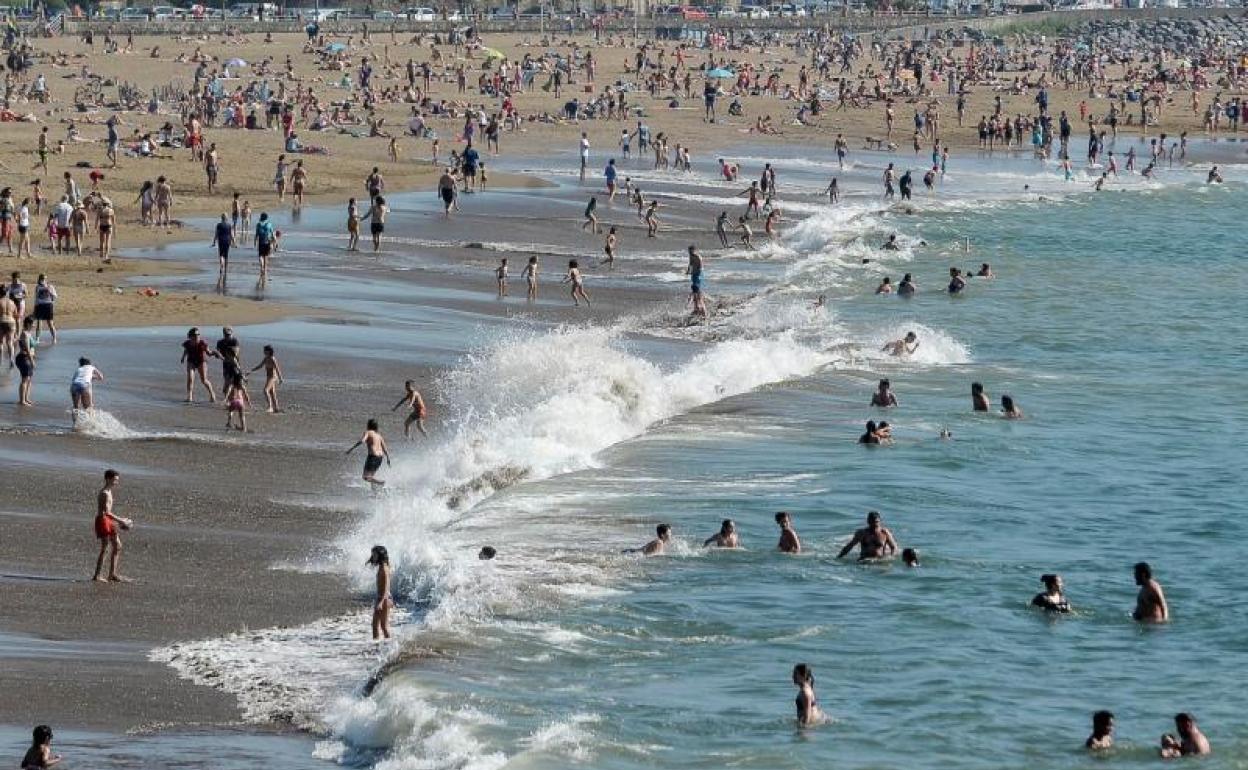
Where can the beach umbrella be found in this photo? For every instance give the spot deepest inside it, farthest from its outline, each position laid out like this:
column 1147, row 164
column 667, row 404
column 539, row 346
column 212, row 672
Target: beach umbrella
column 236, row 63
column 336, row 47
column 493, row 53
column 720, row 72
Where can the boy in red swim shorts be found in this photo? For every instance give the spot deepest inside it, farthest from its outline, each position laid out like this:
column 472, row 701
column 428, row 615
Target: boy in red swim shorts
column 107, row 525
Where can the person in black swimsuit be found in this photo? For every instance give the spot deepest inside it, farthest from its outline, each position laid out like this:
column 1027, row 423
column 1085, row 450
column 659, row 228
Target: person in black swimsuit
column 1051, row 599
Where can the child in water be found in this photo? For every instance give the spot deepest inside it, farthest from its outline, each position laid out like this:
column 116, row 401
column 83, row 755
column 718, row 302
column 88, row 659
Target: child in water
column 40, row 755
column 380, row 559
column 808, row 712
column 236, row 402
column 530, row 278
column 500, row 273
column 413, row 400
column 575, row 278
column 272, row 378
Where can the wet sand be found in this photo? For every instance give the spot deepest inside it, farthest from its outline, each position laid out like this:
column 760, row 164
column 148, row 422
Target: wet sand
column 228, row 524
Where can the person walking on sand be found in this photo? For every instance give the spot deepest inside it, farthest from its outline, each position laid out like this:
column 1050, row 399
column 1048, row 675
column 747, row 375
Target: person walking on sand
column 107, row 526
column 575, row 278
column 195, row 355
column 416, row 403
column 380, row 559
column 377, row 220
column 375, row 445
column 298, row 182
column 272, row 378
column 237, row 402
column 530, row 278
column 223, row 239
column 106, row 223
column 81, row 395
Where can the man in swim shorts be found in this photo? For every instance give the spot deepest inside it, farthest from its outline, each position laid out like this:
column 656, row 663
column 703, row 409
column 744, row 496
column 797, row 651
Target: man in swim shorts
column 375, row 444
column 1150, row 602
column 789, row 542
column 107, row 525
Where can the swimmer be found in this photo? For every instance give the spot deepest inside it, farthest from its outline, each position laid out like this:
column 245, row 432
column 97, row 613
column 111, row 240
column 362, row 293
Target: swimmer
column 874, row 541
column 1010, row 410
column 377, row 451
column 885, row 287
column 383, row 602
column 1102, row 736
column 40, row 755
column 416, row 403
column 747, row 234
column 1214, row 177
column 1150, row 602
column 884, row 432
column 891, row 244
column 487, row 553
column 727, row 536
column 884, row 396
column 870, row 435
column 789, row 541
column 1051, row 599
column 979, row 399
column 807, row 706
column 656, row 546
column 907, row 287
column 902, row 347
column 910, row 557
column 956, row 282
column 985, row 271
column 1191, row 741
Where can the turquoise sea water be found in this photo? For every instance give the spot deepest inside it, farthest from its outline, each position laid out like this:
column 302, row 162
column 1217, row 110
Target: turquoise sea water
column 1114, row 321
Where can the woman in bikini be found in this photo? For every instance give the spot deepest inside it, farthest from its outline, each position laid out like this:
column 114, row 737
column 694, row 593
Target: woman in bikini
column 384, row 602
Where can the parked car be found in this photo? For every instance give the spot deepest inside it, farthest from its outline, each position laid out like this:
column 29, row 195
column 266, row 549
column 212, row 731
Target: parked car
column 164, row 12
column 726, row 13
column 386, row 16
column 134, row 14
column 792, row 11
column 693, row 13
column 420, row 14
column 757, row 12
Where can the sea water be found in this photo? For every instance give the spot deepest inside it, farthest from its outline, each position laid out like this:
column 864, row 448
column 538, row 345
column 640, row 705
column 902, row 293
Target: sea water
column 1115, row 322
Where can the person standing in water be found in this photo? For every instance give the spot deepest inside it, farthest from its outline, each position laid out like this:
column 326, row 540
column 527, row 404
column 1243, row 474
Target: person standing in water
column 694, row 271
column 1052, row 599
column 1150, row 602
column 500, row 275
column 1102, row 736
column 1191, row 741
column 39, row 755
column 195, row 355
column 902, row 347
column 727, row 536
column 377, row 220
column 979, row 399
column 383, row 602
column 808, row 712
column 874, row 541
column 575, row 278
column 591, row 219
column 416, row 404
column 530, row 278
column 223, row 239
column 353, row 225
column 789, row 541
column 377, row 451
column 884, row 396
column 80, row 391
column 609, row 249
column 272, row 378
column 107, row 525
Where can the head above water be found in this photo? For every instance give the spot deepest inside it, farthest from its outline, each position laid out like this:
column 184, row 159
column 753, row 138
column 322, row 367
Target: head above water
column 783, row 518
column 1143, row 573
column 1052, row 582
column 910, row 557
column 379, row 556
column 977, row 388
column 873, row 518
column 1103, row 722
column 664, row 531
column 41, row 735
column 487, row 553
column 803, row 674
column 727, row 527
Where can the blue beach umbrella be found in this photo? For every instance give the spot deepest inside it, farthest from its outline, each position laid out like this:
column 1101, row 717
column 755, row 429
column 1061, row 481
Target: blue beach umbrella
column 336, row 47
column 720, row 72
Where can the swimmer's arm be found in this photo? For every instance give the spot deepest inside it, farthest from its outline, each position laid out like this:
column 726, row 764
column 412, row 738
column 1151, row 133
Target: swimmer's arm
column 849, row 546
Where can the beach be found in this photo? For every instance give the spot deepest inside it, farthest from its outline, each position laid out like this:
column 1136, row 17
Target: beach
column 562, row 435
